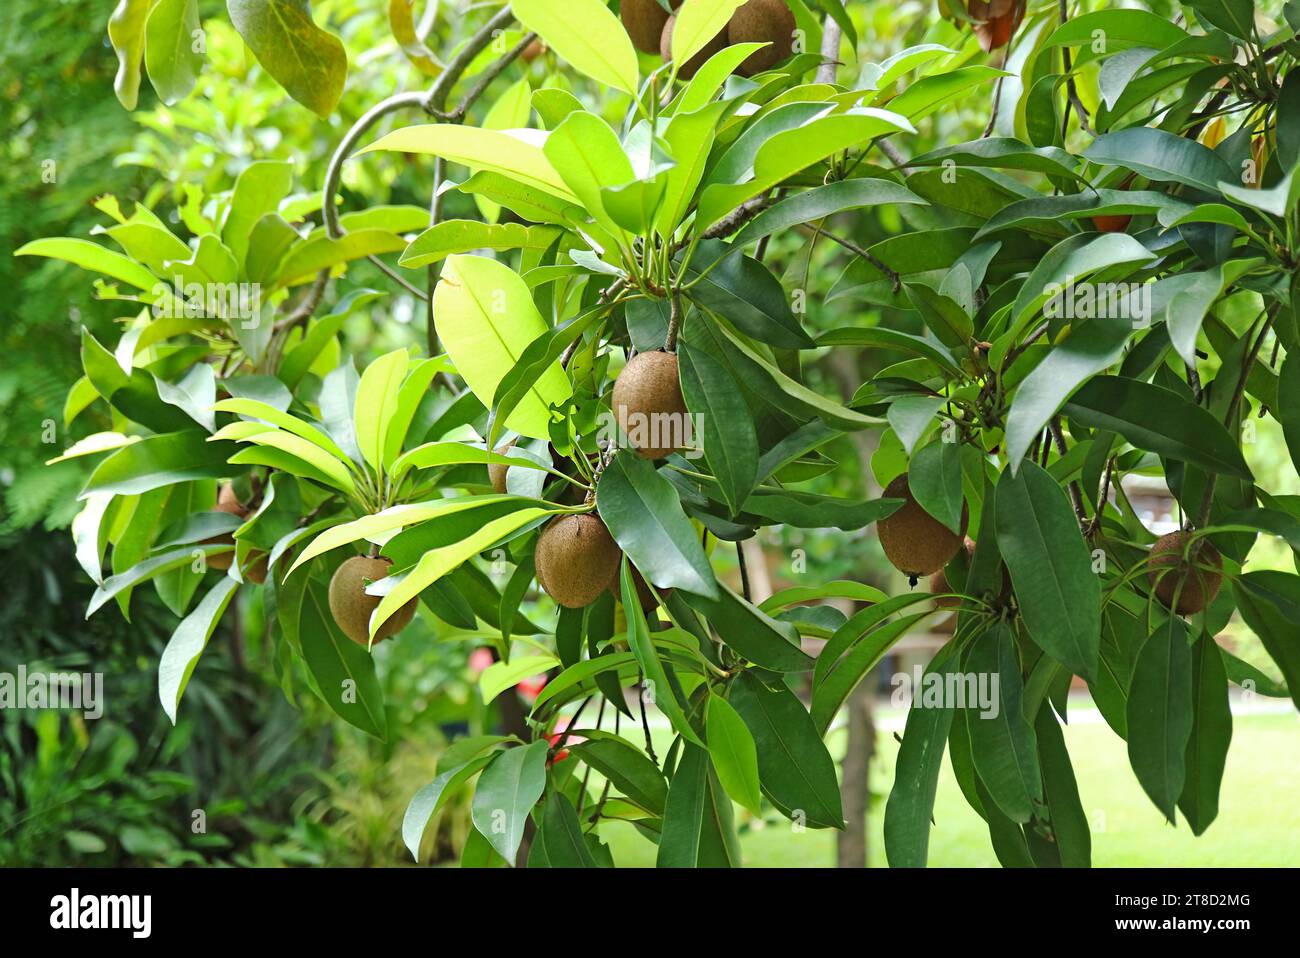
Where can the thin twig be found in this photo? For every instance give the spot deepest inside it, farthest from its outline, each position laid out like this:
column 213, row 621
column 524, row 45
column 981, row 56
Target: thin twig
column 1076, row 494
column 830, row 51
column 857, row 250
column 1071, row 92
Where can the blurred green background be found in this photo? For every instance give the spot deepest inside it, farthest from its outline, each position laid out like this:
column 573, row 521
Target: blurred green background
column 248, row 778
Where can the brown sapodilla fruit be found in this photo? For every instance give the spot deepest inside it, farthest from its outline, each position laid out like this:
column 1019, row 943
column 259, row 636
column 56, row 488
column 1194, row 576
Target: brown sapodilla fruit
column 351, row 606
column 496, row 471
column 227, row 501
column 256, row 571
column 648, row 404
column 643, row 591
column 1199, row 572
column 762, row 21
column 644, row 22
column 914, row 541
column 687, row 69
column 576, row 559
column 1111, row 224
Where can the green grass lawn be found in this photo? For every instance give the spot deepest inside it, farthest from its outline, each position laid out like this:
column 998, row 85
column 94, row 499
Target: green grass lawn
column 1258, row 823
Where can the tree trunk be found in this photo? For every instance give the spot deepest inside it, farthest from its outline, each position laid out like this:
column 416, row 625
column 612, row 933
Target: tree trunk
column 855, row 793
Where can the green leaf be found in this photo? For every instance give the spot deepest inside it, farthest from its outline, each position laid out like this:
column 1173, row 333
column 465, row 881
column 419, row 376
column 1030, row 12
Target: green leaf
column 1158, row 420
column 464, row 236
column 1003, row 743
column 508, row 152
column 751, row 633
column 507, row 790
column 590, row 159
column 1003, row 153
column 376, row 402
column 157, row 461
column 499, row 676
column 1207, row 744
column 437, row 562
column 188, row 642
column 854, row 649
column 1288, row 405
column 432, row 797
column 644, row 515
column 1235, row 17
column 627, row 769
column 1087, row 350
column 696, row 26
column 560, row 841
column 1051, row 567
column 697, row 830
column 795, row 769
column 1069, row 262
column 93, row 257
column 730, row 444
column 734, row 755
column 308, row 62
column 169, row 53
column 256, row 409
column 126, row 29
column 1121, row 28
column 1068, row 820
column 935, row 480
column 308, row 258
column 1195, row 294
column 744, row 292
column 916, row 774
column 1269, row 601
column 486, row 318
column 1162, row 156
column 587, row 36
column 1160, row 714
column 791, row 151
column 822, row 201
column 258, row 191
column 910, row 417
column 652, row 667
column 344, row 671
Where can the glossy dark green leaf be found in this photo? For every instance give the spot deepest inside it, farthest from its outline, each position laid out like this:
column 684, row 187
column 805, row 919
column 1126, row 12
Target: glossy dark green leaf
column 752, row 633
column 796, row 770
column 1158, row 420
column 934, row 478
column 916, row 773
column 744, row 292
column 560, row 842
column 1003, row 744
column 1160, row 714
column 730, row 444
column 654, row 669
column 1068, row 821
column 697, row 829
column 1269, row 601
column 808, row 205
column 432, row 797
column 344, row 671
column 1159, row 155
column 868, row 647
column 627, row 769
column 507, row 790
column 1207, row 745
column 1051, row 567
column 644, row 515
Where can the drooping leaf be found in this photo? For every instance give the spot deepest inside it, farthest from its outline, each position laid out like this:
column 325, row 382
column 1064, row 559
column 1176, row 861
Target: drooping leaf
column 1160, row 714
column 310, row 63
column 1051, row 567
column 506, row 792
